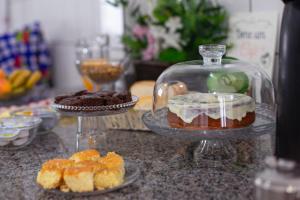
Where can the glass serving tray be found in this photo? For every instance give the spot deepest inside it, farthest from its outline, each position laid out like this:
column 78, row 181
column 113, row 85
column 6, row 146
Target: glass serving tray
column 95, row 110
column 132, row 172
column 264, row 124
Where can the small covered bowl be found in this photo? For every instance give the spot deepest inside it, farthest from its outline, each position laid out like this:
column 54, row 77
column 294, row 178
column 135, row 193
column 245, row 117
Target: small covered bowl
column 49, row 117
column 18, row 131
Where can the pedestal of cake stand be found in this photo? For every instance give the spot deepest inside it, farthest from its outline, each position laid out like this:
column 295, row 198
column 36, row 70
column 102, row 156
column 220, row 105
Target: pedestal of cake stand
column 90, row 134
column 213, row 148
column 214, row 153
column 89, row 117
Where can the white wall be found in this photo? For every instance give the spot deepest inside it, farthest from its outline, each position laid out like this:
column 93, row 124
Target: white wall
column 252, row 5
column 2, row 16
column 64, row 21
column 270, row 5
column 258, row 5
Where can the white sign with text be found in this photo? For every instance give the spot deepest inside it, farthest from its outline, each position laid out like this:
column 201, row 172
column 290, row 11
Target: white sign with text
column 253, row 36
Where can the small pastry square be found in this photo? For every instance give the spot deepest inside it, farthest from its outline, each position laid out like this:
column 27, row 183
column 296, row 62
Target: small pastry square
column 108, row 178
column 50, row 176
column 79, row 179
column 114, row 173
column 59, row 163
column 95, row 165
column 90, row 154
column 113, row 161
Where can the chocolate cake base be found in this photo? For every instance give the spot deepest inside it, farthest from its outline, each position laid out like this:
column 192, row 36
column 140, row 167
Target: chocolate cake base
column 203, row 122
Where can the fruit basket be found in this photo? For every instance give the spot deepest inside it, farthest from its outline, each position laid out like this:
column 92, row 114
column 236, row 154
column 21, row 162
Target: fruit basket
column 18, row 83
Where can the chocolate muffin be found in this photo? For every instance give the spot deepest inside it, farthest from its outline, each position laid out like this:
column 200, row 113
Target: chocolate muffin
column 102, row 98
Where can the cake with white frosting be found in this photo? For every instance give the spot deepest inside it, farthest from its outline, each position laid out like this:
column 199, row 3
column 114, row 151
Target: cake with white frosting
column 211, row 111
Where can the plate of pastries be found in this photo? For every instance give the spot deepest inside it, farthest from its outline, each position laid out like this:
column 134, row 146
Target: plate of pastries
column 86, row 173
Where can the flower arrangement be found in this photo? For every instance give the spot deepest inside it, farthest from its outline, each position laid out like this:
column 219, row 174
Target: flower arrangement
column 171, row 30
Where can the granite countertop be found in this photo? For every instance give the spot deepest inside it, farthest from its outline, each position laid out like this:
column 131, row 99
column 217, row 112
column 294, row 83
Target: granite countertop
column 168, row 170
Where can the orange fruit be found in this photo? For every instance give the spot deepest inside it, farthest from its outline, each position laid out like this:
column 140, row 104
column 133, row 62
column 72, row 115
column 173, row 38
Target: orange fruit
column 2, row 74
column 5, row 87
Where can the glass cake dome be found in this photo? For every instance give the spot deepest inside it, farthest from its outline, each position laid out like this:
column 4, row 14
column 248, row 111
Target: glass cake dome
column 212, row 94
column 214, row 102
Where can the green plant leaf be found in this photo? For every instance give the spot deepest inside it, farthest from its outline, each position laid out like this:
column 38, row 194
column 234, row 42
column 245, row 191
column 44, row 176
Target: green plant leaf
column 172, row 55
column 134, row 46
column 230, row 58
column 203, row 21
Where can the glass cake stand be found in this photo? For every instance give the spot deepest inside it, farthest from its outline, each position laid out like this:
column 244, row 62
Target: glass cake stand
column 90, row 113
column 214, row 147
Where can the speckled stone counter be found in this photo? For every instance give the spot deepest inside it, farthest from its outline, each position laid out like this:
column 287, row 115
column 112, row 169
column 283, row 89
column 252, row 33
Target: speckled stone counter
column 167, row 167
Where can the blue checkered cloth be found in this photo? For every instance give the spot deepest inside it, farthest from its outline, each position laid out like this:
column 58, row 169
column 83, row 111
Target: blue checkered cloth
column 24, row 49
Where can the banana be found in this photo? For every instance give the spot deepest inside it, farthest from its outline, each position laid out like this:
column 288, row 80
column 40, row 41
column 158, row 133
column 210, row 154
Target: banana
column 14, row 75
column 21, row 78
column 33, row 79
column 18, row 91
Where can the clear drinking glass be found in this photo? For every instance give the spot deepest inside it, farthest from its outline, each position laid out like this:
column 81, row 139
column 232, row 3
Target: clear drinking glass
column 96, row 65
